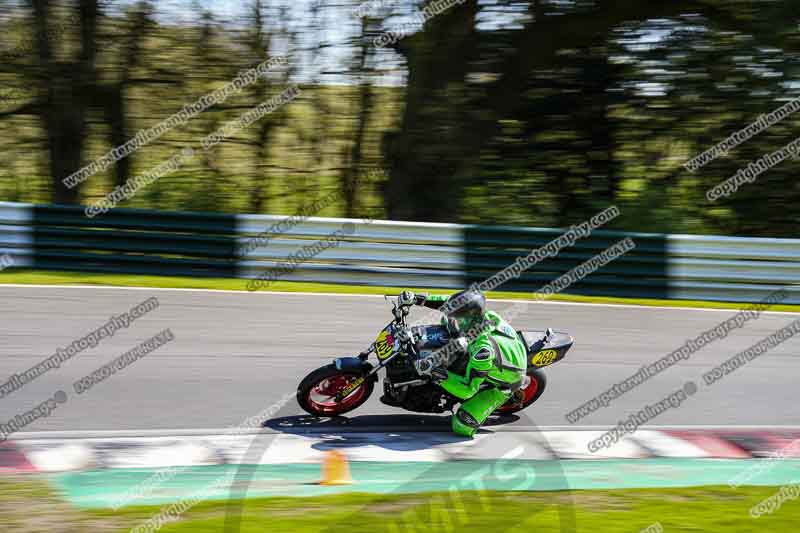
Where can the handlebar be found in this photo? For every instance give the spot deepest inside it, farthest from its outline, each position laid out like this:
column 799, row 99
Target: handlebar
column 400, row 312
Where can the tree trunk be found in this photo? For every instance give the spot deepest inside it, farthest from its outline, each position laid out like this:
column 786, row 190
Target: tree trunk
column 70, row 88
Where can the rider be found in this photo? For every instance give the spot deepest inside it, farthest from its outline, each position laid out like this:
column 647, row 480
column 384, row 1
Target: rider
column 493, row 364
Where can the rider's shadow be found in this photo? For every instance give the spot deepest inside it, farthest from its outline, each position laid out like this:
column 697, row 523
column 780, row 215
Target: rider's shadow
column 397, row 433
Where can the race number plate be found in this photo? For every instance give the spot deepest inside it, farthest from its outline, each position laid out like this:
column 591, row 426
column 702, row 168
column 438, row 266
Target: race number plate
column 384, row 345
column 544, row 358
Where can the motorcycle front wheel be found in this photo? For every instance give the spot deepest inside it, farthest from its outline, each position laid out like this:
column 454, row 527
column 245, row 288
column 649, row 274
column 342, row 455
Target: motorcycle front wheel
column 316, row 394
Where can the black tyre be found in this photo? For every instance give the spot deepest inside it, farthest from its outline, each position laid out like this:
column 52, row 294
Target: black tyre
column 316, row 393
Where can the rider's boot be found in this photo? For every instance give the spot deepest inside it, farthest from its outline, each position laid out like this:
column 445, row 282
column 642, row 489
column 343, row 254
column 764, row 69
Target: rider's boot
column 387, row 400
column 476, row 410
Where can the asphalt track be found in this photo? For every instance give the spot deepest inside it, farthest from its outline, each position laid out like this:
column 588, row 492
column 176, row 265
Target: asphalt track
column 235, row 354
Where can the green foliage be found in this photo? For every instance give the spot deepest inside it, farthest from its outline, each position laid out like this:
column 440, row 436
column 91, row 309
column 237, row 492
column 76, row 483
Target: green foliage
column 541, row 123
column 30, row 505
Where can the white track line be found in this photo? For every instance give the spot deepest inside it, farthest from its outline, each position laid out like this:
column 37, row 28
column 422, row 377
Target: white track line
column 346, row 295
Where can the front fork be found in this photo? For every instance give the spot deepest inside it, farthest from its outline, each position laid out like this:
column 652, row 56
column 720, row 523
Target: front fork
column 359, row 364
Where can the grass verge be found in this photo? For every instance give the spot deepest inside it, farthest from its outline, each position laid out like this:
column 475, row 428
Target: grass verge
column 28, row 505
column 38, row 277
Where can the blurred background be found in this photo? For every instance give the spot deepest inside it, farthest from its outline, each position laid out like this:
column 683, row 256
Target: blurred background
column 535, row 113
column 509, row 118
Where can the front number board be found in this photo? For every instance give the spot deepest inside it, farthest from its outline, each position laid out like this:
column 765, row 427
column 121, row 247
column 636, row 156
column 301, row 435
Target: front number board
column 384, row 345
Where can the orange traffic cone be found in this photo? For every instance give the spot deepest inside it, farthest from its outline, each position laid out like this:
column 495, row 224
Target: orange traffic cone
column 335, row 469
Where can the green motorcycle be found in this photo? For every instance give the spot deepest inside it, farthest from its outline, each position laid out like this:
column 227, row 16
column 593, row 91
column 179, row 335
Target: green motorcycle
column 348, row 382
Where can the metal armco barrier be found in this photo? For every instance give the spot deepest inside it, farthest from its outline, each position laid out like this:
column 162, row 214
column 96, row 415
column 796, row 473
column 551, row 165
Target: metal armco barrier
column 399, row 254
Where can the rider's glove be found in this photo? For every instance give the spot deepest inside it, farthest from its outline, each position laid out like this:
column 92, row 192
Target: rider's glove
column 462, row 346
column 438, row 374
column 453, row 329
